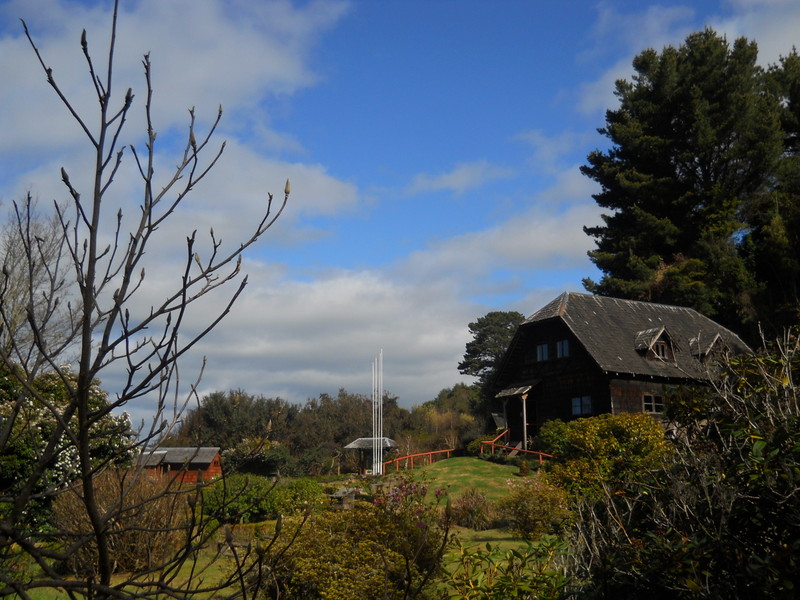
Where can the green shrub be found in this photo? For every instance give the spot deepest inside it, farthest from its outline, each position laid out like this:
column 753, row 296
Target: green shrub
column 474, row 447
column 553, row 437
column 472, row 509
column 238, row 498
column 243, row 498
column 532, row 572
column 534, row 507
column 294, row 496
column 602, row 451
column 388, row 548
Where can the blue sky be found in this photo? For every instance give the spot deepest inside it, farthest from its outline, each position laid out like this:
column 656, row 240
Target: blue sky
column 433, row 148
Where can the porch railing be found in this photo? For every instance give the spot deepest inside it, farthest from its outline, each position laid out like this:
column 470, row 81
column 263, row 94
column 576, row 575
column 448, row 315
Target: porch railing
column 492, row 445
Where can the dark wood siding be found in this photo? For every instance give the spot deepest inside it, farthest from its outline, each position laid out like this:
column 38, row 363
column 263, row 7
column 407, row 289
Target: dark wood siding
column 627, row 394
column 555, row 381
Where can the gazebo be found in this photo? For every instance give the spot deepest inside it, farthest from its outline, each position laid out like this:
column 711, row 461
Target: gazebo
column 374, row 446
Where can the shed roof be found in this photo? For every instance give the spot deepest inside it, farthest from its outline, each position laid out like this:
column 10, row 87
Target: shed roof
column 153, row 457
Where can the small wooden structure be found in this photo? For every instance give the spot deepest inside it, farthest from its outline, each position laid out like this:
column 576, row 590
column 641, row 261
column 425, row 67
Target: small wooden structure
column 188, row 465
column 365, row 448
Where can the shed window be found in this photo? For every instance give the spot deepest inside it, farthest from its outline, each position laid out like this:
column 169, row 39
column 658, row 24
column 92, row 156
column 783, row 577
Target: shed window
column 541, row 352
column 562, row 348
column 582, row 405
column 653, row 404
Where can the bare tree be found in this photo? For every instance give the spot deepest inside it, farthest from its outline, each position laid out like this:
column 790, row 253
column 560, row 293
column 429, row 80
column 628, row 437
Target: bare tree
column 104, row 327
column 33, row 279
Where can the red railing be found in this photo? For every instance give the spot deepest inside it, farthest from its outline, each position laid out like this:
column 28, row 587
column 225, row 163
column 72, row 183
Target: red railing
column 492, row 445
column 504, row 434
column 410, row 459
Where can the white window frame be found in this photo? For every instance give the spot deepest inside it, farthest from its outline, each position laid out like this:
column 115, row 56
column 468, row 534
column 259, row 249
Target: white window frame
column 653, row 404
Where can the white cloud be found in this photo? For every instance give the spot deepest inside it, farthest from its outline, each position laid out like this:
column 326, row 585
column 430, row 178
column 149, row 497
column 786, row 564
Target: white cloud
column 550, row 151
column 299, row 339
column 771, row 23
column 462, row 178
column 548, row 236
column 234, row 54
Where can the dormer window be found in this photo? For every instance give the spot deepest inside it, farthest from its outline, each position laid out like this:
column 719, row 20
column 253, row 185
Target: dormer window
column 661, row 350
column 655, row 344
column 705, row 347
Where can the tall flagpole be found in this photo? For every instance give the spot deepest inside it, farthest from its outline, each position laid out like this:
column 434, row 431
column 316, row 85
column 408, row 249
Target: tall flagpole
column 377, row 415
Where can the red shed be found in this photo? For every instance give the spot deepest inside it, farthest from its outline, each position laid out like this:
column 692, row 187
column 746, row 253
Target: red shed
column 189, row 465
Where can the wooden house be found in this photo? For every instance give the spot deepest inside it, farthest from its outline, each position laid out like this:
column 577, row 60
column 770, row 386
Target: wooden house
column 188, row 465
column 584, row 355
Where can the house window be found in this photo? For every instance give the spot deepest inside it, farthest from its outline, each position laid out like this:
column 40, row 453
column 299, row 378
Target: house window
column 562, row 348
column 582, row 405
column 653, row 404
column 541, row 352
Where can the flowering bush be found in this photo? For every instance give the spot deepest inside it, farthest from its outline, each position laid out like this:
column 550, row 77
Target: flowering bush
column 34, row 417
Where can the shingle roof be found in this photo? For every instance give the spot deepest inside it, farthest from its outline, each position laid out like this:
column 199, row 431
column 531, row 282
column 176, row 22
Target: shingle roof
column 369, row 443
column 617, row 333
column 178, row 456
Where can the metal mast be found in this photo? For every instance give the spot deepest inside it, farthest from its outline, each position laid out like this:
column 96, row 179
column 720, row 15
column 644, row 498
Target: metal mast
column 377, row 415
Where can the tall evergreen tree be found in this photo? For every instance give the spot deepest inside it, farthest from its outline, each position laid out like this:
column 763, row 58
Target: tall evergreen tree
column 772, row 244
column 491, row 336
column 694, row 142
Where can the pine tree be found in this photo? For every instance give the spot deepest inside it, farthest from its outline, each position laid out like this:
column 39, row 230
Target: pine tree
column 772, row 244
column 694, row 142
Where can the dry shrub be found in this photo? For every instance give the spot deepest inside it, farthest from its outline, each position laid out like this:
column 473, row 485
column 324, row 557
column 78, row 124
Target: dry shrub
column 534, row 508
column 146, row 516
column 472, row 509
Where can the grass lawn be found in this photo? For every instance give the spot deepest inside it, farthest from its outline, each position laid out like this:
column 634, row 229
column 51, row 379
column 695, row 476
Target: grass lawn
column 210, row 567
column 457, row 475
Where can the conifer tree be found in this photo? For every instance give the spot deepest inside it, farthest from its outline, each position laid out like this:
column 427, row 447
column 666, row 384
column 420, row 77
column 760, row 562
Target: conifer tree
column 694, row 143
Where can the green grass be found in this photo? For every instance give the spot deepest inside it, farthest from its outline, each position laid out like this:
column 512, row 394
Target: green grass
column 456, row 475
